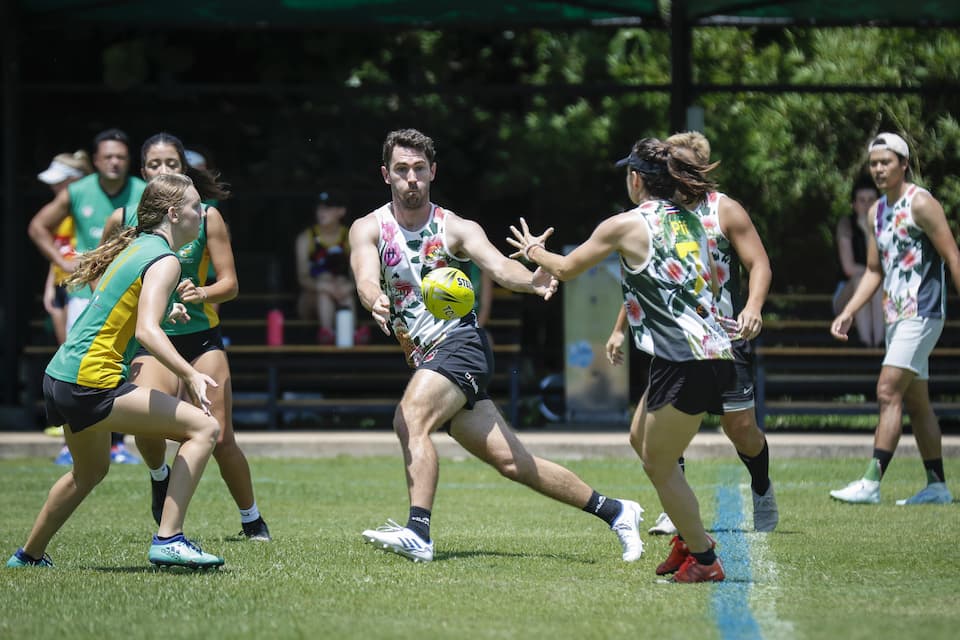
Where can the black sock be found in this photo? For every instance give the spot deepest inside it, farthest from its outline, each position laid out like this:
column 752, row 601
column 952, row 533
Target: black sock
column 162, row 539
column 604, row 508
column 419, row 522
column 759, row 468
column 884, row 458
column 705, row 557
column 934, row 470
column 683, row 464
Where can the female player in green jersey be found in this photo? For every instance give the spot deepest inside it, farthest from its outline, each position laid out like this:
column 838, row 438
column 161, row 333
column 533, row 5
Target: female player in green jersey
column 85, row 384
column 199, row 340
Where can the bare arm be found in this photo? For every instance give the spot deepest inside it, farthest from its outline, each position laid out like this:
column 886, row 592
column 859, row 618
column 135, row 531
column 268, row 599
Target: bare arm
column 872, row 279
column 614, row 345
column 467, row 237
column 365, row 264
column 159, row 281
column 43, row 224
column 617, row 233
column 486, row 298
column 221, row 255
column 845, row 249
column 929, row 215
column 303, row 261
column 114, row 222
column 739, row 230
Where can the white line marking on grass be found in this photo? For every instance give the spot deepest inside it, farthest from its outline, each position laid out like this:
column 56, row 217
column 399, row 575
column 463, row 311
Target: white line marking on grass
column 765, row 593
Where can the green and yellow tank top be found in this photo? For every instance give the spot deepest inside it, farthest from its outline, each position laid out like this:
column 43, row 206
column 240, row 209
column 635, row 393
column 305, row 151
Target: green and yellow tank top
column 102, row 341
column 91, row 207
column 194, row 264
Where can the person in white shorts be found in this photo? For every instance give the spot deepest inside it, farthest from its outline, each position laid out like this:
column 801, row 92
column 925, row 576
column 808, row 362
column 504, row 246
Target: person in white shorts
column 907, row 252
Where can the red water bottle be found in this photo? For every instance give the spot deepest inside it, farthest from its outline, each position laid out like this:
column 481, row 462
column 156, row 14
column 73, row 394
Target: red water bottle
column 275, row 328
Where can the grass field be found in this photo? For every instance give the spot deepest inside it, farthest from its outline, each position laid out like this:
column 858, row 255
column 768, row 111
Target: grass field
column 510, row 564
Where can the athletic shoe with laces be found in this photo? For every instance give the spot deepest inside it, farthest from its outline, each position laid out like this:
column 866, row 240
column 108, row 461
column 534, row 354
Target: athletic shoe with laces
column 663, row 526
column 392, row 537
column 933, row 493
column 64, row 457
column 627, row 528
column 860, row 491
column 765, row 512
column 256, row 530
column 693, row 571
column 679, row 552
column 21, row 559
column 180, row 552
column 158, row 494
column 119, row 454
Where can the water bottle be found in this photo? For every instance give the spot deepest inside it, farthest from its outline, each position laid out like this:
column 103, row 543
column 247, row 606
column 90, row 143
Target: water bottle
column 275, row 328
column 344, row 333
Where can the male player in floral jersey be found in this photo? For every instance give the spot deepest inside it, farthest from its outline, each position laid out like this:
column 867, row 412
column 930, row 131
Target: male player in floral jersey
column 910, row 245
column 392, row 249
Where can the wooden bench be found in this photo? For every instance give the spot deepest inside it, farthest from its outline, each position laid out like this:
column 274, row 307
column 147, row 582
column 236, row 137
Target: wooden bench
column 796, row 373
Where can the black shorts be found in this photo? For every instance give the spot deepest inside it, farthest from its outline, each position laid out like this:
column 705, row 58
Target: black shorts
column 691, row 387
column 59, row 297
column 77, row 405
column 739, row 395
column 465, row 358
column 193, row 345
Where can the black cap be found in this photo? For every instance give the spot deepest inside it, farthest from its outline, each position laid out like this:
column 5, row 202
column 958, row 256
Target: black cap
column 331, row 198
column 640, row 165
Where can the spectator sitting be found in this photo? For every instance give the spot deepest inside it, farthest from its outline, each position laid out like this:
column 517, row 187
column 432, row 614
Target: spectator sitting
column 852, row 233
column 323, row 269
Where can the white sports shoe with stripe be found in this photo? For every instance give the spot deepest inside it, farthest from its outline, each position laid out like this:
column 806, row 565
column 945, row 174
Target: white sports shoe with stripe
column 392, row 537
column 627, row 528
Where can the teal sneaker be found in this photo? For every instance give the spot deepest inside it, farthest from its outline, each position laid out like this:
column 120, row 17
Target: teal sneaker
column 21, row 559
column 180, row 552
column 933, row 493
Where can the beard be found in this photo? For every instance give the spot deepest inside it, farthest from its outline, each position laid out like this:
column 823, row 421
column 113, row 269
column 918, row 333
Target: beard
column 413, row 199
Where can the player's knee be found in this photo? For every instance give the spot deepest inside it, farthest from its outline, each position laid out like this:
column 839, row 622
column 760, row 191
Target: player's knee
column 88, row 476
column 888, row 394
column 636, row 441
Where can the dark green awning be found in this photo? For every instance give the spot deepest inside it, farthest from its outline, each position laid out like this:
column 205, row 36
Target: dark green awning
column 365, row 14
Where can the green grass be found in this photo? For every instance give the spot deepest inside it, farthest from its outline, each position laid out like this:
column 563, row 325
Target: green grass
column 510, row 564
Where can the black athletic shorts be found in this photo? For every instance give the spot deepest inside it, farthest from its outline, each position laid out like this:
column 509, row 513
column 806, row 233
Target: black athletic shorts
column 77, row 405
column 739, row 396
column 193, row 345
column 59, row 297
column 692, row 387
column 464, row 356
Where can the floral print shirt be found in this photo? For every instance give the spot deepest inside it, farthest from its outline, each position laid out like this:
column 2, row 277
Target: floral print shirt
column 914, row 281
column 730, row 303
column 406, row 256
column 669, row 301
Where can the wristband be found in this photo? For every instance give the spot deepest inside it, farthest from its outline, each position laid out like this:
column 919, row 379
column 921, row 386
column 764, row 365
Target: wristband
column 526, row 250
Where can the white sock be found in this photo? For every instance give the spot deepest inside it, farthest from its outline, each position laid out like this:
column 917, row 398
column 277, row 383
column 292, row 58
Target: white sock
column 160, row 474
column 249, row 515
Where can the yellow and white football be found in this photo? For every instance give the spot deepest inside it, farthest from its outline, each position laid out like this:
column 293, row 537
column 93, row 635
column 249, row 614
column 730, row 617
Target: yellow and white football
column 447, row 293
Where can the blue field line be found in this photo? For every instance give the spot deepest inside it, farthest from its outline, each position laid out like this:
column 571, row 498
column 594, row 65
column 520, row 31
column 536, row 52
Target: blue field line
column 731, row 598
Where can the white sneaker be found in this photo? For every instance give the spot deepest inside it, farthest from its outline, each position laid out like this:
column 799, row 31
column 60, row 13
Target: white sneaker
column 663, row 526
column 765, row 512
column 861, row 491
column 627, row 528
column 400, row 540
column 933, row 493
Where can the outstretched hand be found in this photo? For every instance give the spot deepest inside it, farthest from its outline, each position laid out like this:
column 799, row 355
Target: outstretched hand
column 196, row 385
column 544, row 284
column 523, row 239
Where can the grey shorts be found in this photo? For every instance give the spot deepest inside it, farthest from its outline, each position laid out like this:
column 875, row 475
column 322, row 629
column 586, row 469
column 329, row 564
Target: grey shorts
column 466, row 359
column 739, row 395
column 909, row 343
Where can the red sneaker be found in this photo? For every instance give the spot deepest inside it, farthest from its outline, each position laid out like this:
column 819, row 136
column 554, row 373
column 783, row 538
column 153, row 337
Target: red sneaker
column 679, row 552
column 693, row 571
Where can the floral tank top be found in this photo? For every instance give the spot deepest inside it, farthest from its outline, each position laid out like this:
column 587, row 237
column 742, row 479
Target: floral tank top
column 406, row 256
column 669, row 302
column 914, row 281
column 730, row 303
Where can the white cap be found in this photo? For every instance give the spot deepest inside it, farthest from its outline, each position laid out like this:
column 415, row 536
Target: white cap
column 890, row 141
column 57, row 172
